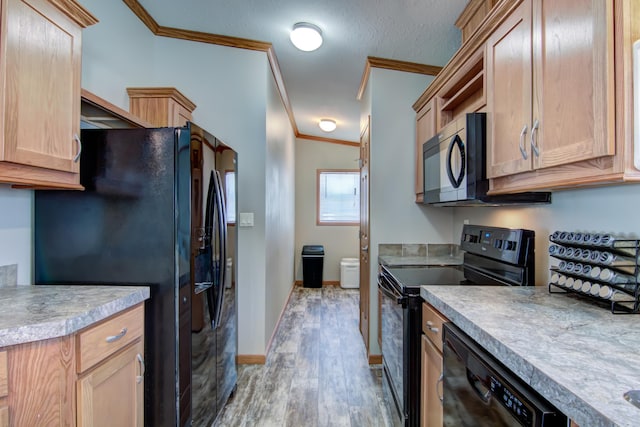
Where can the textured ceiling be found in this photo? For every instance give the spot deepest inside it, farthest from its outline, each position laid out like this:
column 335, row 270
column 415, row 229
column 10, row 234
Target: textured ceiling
column 325, row 83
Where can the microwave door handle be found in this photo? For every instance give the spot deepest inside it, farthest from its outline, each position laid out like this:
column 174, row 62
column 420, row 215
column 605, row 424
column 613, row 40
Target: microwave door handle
column 456, row 181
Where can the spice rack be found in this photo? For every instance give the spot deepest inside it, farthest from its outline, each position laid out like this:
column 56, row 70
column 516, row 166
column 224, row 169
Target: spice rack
column 600, row 267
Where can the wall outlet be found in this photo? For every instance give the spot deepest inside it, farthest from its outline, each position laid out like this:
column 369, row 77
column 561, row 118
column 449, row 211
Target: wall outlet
column 466, row 222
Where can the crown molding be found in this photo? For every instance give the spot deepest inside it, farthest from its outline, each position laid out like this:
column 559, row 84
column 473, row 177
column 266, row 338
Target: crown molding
column 331, row 140
column 76, row 12
column 392, row 64
column 234, row 42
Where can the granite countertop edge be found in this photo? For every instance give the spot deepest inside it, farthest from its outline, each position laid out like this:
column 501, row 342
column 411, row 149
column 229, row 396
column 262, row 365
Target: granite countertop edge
column 87, row 304
column 554, row 389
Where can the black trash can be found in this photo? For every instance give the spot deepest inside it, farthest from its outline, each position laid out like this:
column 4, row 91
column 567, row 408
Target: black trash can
column 312, row 263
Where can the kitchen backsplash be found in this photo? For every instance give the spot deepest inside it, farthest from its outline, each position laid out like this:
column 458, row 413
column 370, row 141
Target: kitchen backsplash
column 8, row 275
column 418, row 249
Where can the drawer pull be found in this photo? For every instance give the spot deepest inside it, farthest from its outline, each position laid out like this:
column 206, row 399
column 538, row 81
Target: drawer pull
column 114, row 338
column 141, row 362
column 430, row 327
column 438, row 391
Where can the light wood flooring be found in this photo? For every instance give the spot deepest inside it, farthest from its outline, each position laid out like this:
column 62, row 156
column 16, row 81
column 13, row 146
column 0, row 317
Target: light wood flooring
column 316, row 373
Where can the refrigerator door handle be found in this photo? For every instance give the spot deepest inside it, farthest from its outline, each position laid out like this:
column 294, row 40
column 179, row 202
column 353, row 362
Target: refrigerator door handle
column 221, row 224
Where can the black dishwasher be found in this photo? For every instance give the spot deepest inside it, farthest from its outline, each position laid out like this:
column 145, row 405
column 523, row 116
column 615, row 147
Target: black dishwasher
column 479, row 391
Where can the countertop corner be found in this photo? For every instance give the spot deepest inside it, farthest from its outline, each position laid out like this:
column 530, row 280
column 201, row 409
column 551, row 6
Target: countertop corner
column 579, row 356
column 51, row 311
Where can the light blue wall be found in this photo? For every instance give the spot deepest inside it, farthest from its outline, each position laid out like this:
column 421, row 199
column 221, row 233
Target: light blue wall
column 279, row 193
column 611, row 209
column 15, row 231
column 235, row 97
column 394, row 216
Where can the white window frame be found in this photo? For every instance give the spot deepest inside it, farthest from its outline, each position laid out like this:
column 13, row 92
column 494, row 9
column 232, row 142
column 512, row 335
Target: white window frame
column 319, row 206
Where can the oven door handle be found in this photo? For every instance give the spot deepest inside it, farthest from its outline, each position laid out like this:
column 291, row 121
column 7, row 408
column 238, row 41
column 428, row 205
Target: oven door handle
column 390, row 292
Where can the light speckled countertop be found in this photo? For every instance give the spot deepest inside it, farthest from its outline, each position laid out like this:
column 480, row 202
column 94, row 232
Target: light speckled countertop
column 33, row 313
column 578, row 355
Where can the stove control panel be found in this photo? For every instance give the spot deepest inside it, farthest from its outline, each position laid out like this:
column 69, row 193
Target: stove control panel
column 514, row 246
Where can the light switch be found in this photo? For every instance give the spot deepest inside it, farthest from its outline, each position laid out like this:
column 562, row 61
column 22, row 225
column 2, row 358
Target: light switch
column 246, row 219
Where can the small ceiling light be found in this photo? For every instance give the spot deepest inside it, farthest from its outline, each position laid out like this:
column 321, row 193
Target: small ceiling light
column 306, row 37
column 327, row 125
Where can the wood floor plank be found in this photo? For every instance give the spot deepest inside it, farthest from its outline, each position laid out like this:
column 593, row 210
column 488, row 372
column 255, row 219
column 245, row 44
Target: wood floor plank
column 316, row 373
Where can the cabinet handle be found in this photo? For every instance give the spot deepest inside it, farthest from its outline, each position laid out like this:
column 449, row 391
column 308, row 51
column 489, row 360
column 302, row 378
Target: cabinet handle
column 113, row 338
column 438, row 391
column 141, row 362
column 77, row 156
column 523, row 132
column 430, row 327
column 534, row 147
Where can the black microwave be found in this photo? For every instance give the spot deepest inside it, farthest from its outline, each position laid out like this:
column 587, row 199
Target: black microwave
column 455, row 173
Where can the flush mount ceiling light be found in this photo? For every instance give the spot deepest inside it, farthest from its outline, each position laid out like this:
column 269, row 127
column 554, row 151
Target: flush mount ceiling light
column 306, row 37
column 327, row 125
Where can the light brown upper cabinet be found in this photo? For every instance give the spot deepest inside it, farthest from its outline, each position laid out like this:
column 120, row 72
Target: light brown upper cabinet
column 559, row 92
column 425, row 129
column 40, row 69
column 160, row 106
column 550, row 94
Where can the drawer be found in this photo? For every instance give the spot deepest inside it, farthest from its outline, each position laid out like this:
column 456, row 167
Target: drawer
column 98, row 342
column 4, row 374
column 432, row 322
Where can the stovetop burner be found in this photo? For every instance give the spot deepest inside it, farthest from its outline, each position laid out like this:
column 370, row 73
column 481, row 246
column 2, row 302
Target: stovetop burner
column 414, row 277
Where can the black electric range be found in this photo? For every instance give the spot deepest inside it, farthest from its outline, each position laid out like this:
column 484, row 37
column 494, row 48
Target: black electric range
column 410, row 278
column 493, row 256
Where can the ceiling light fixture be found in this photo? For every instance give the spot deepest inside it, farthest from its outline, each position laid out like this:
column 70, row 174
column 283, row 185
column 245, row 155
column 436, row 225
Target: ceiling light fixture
column 306, row 37
column 327, row 125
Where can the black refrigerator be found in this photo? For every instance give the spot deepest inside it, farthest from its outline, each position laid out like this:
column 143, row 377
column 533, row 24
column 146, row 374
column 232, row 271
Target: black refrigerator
column 153, row 213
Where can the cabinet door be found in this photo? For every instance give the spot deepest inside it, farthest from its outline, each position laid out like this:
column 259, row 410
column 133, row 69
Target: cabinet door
column 112, row 394
column 40, row 85
column 425, row 129
column 178, row 115
column 573, row 111
column 431, row 393
column 509, row 79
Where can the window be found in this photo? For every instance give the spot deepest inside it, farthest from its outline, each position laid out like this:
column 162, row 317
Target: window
column 338, row 193
column 230, row 194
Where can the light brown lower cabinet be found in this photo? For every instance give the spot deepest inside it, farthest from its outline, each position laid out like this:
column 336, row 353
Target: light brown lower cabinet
column 61, row 382
column 4, row 380
column 431, row 390
column 109, row 396
column 431, row 381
